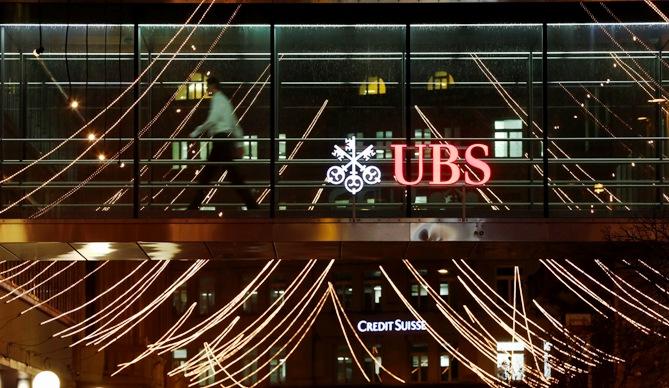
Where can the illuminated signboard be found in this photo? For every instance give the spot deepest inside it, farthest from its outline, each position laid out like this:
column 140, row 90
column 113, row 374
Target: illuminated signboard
column 446, row 170
column 471, row 177
column 397, row 325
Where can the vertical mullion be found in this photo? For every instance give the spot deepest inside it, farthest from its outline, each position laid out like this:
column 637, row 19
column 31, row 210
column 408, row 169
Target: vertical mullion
column 135, row 123
column 406, row 74
column 544, row 114
column 273, row 120
column 529, row 144
column 2, row 105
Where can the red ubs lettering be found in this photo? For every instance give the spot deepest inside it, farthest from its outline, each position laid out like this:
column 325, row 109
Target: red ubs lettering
column 444, row 158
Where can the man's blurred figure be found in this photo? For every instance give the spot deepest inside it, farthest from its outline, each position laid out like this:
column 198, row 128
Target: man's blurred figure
column 221, row 123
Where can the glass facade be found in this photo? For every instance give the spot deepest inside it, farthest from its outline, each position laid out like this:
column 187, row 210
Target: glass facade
column 67, row 139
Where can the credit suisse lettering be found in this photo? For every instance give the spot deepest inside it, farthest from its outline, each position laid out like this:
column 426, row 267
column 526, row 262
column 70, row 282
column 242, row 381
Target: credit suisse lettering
column 445, row 170
column 396, row 325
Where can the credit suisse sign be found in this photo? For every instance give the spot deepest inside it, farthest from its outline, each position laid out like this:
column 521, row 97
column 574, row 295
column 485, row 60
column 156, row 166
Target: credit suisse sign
column 397, row 325
column 446, row 162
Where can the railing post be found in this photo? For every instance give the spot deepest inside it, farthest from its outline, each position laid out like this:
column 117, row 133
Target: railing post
column 135, row 123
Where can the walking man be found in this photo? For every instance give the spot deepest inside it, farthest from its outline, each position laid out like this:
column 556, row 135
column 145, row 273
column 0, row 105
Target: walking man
column 221, row 124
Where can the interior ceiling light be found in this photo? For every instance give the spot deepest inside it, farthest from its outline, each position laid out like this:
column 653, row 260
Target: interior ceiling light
column 442, row 271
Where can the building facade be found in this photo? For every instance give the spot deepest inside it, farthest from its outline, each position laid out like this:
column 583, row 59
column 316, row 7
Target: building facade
column 478, row 142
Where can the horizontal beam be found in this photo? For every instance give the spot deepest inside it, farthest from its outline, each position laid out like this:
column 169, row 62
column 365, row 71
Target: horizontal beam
column 187, row 239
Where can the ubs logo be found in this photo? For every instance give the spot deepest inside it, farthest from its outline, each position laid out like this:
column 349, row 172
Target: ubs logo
column 446, row 162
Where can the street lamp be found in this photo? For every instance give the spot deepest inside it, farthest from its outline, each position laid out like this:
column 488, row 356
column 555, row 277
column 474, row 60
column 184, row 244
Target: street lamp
column 46, row 379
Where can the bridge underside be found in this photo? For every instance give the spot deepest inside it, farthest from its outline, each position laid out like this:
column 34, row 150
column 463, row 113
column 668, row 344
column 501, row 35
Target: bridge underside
column 343, row 239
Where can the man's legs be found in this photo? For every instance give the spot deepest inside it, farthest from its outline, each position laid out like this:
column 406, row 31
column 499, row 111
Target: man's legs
column 206, row 174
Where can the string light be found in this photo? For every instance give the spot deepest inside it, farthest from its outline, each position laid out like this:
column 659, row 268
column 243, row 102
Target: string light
column 91, row 136
column 74, row 104
column 485, row 376
column 101, row 156
column 155, row 118
column 71, row 163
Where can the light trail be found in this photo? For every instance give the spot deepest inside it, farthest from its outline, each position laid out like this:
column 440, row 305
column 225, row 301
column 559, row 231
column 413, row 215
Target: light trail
column 340, row 307
column 184, row 317
column 470, row 274
column 303, row 303
column 434, row 130
column 118, row 305
column 585, row 345
column 117, row 99
column 102, row 334
column 33, row 288
column 348, row 343
column 32, row 263
column 232, row 347
column 643, row 328
column 469, row 332
column 148, row 125
column 485, row 376
column 100, row 295
column 657, row 10
column 651, row 314
column 32, row 279
column 175, row 341
column 510, row 102
column 65, row 289
column 118, row 121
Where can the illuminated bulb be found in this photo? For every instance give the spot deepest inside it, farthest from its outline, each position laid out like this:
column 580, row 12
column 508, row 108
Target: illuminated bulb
column 46, row 379
column 633, row 164
column 220, row 214
column 613, row 175
column 608, row 80
column 582, row 105
column 442, row 271
column 91, row 136
column 178, row 110
column 208, row 73
column 74, row 104
column 575, row 116
column 650, row 142
column 634, row 38
column 102, row 157
column 192, row 47
column 122, row 164
column 588, row 95
column 615, row 65
column 601, row 84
